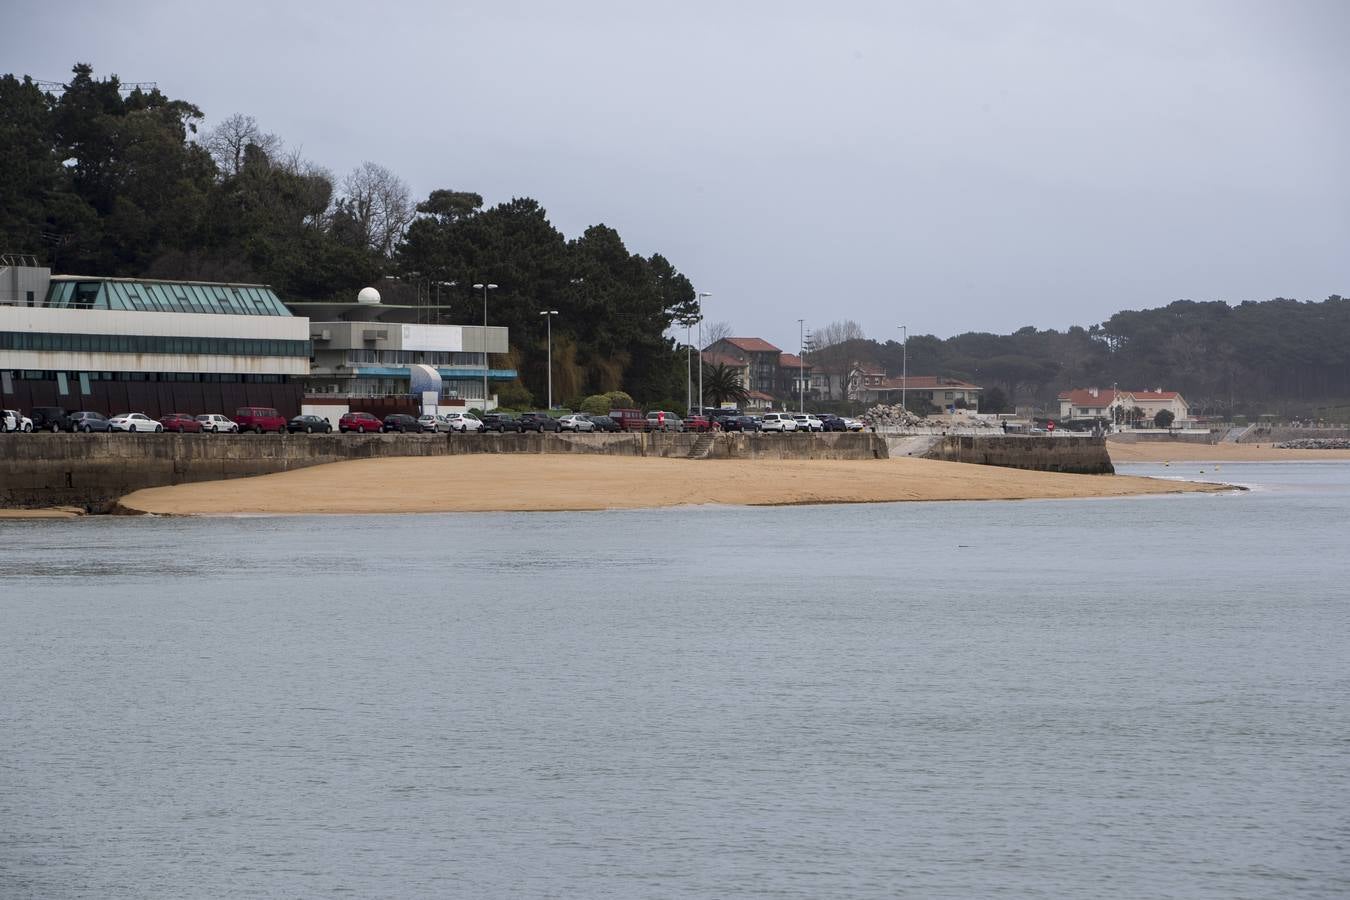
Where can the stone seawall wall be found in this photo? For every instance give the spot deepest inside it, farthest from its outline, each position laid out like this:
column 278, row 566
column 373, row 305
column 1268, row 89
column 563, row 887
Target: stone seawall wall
column 1267, row 434
column 1191, row 437
column 1080, row 455
column 93, row 470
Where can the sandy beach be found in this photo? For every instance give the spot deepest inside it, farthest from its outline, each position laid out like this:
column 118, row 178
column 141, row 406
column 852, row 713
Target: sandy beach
column 481, row 483
column 1159, row 451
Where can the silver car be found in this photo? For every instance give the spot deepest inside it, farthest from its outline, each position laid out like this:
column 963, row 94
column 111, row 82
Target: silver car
column 463, row 422
column 576, row 422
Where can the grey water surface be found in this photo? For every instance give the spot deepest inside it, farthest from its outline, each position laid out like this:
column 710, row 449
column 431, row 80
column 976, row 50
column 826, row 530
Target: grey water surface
column 1126, row 698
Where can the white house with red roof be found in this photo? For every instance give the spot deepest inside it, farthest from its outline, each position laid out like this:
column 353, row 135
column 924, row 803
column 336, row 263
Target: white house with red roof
column 1101, row 403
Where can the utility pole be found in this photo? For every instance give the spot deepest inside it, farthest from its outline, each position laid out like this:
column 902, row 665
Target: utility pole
column 699, row 296
column 485, row 288
column 548, row 315
column 801, row 366
column 904, row 365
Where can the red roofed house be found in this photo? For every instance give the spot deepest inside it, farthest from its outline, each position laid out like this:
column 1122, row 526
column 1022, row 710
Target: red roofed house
column 757, row 354
column 1093, row 403
column 935, row 389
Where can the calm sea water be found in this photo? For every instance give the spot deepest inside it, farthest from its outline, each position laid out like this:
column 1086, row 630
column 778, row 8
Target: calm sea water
column 1132, row 698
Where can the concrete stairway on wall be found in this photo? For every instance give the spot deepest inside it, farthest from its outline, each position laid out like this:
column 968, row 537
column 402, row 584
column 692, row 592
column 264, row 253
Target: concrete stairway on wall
column 702, row 446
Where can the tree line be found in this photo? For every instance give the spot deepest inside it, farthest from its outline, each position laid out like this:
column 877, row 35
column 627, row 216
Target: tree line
column 97, row 179
column 1277, row 356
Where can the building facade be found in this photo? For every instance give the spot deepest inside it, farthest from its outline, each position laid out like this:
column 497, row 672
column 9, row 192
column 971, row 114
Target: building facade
column 141, row 345
column 1116, row 405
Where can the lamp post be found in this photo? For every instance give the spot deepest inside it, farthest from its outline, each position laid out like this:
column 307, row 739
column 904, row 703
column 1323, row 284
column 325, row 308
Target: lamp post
column 904, row 364
column 689, row 367
column 548, row 315
column 801, row 366
column 485, row 288
column 439, row 285
column 699, row 297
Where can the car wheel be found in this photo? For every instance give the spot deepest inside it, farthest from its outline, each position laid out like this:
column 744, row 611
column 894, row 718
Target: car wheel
column 309, row 429
column 87, row 429
column 158, row 429
column 360, row 429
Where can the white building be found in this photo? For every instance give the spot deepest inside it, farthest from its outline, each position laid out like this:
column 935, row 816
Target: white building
column 119, row 344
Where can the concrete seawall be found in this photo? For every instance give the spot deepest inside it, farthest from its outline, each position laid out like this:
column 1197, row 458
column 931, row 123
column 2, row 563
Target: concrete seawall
column 93, row 470
column 1079, row 455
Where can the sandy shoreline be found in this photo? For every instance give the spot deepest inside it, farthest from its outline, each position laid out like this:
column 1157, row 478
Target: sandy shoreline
column 492, row 483
column 1160, row 451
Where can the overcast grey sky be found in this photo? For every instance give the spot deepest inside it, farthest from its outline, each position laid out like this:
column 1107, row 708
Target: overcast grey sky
column 952, row 166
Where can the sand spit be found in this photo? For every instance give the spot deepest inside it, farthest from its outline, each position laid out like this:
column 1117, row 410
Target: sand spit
column 1160, row 451
column 483, row 483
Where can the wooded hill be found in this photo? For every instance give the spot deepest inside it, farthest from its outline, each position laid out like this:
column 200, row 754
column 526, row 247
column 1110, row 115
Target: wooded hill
column 1277, row 356
column 99, row 179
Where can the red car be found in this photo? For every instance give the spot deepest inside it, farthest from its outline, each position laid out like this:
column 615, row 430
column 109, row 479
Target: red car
column 181, row 423
column 360, row 422
column 697, row 423
column 259, row 419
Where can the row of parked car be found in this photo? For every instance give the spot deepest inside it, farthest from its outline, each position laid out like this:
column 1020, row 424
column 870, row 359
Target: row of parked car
column 262, row 420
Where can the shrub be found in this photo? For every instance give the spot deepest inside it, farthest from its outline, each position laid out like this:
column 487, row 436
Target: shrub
column 595, row 404
column 1163, row 418
column 619, row 400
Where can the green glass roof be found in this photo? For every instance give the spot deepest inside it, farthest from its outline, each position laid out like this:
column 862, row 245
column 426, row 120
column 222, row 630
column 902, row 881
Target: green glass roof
column 71, row 292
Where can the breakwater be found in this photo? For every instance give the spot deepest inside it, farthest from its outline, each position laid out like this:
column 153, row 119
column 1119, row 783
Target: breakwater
column 1080, row 455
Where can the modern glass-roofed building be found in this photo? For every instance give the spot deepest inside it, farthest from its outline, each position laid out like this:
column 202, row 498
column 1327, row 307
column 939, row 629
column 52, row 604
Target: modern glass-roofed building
column 122, row 345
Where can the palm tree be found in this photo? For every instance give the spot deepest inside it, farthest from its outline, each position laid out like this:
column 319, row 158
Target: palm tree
column 721, row 383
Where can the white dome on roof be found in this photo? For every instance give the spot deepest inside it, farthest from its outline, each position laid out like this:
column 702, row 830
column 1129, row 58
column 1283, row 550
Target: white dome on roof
column 368, row 295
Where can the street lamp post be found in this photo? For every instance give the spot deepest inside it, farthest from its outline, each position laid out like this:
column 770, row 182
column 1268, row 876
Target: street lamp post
column 439, row 285
column 801, row 366
column 699, row 297
column 485, row 288
column 904, row 364
column 548, row 315
column 689, row 367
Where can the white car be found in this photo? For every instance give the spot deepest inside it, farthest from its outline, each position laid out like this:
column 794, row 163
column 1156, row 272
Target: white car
column 852, row 424
column 576, row 422
column 808, row 422
column 780, row 422
column 134, row 422
column 218, row 424
column 462, row 422
column 13, row 420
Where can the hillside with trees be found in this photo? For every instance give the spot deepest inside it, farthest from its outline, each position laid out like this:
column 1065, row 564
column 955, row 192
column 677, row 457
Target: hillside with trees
column 99, row 179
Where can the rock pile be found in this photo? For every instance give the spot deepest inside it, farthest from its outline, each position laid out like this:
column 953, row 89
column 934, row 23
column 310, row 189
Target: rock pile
column 893, row 415
column 898, row 415
column 1315, row 444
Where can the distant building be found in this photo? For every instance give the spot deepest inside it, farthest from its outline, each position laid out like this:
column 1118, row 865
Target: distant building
column 757, row 356
column 366, row 349
column 941, row 392
column 145, row 345
column 1101, row 403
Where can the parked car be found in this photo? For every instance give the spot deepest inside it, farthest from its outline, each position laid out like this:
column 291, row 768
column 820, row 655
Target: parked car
column 697, row 423
column 50, row 418
column 629, row 419
column 852, row 424
column 501, row 423
column 181, row 423
column 808, row 422
column 739, row 423
column 402, row 423
column 87, row 421
column 130, row 422
column 832, row 422
column 13, row 420
column 217, row 423
column 432, row 423
column 463, row 422
column 360, row 422
column 577, row 422
column 604, row 423
column 309, row 425
column 660, row 420
column 540, row 422
column 259, row 419
column 779, row 422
